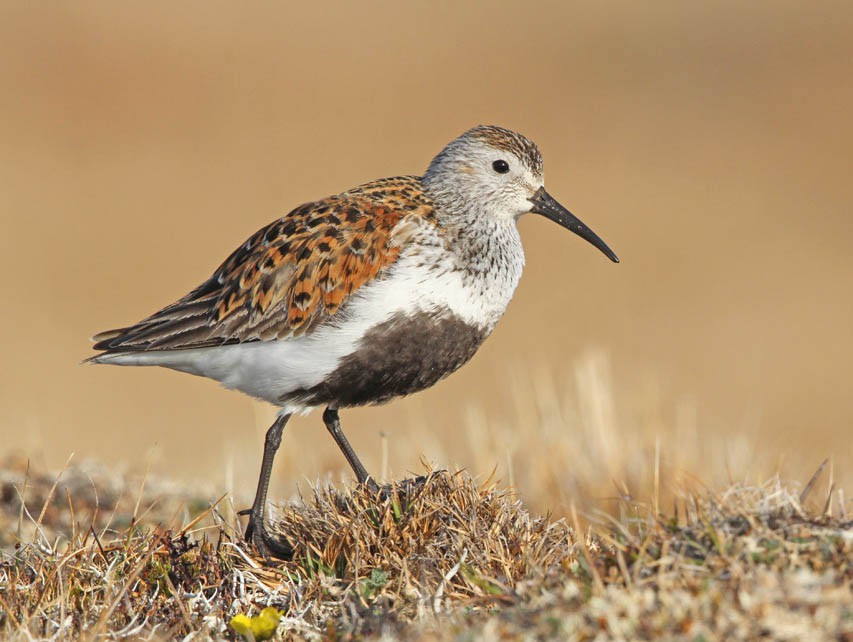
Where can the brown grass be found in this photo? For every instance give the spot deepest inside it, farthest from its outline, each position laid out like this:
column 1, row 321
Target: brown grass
column 83, row 557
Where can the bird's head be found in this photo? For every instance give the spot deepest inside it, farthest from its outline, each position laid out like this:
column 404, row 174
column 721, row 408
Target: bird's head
column 495, row 172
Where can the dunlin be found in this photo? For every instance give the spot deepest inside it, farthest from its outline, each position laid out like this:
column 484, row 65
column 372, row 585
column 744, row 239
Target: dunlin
column 355, row 299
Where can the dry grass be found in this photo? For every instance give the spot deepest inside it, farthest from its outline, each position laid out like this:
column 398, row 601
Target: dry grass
column 451, row 559
column 576, row 437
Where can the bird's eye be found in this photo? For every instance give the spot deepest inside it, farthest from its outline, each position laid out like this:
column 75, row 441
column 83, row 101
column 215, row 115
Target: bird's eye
column 500, row 166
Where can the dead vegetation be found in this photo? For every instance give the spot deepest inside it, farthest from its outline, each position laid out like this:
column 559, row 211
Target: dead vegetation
column 449, row 559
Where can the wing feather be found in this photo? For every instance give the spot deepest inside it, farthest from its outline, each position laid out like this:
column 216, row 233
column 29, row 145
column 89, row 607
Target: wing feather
column 288, row 277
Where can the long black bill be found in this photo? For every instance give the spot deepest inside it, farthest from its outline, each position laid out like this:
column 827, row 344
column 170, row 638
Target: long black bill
column 547, row 206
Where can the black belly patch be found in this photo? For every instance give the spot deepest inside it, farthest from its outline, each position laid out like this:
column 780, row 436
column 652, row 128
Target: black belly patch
column 395, row 358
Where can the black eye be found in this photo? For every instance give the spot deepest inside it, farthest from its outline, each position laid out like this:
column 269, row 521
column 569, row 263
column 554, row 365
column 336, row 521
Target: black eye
column 500, row 166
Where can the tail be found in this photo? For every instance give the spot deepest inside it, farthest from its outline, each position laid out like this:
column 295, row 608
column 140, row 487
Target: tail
column 155, row 343
column 105, row 341
column 128, row 358
column 110, row 343
column 102, row 341
column 116, row 353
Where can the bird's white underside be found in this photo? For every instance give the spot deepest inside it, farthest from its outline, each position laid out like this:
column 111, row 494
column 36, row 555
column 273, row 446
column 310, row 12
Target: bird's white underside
column 425, row 278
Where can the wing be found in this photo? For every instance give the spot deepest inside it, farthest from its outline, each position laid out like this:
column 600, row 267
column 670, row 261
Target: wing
column 291, row 275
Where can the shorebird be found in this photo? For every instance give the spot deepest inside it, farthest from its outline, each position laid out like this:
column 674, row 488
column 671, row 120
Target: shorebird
column 358, row 298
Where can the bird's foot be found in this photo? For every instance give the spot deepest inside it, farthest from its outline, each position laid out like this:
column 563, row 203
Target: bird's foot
column 267, row 545
column 403, row 489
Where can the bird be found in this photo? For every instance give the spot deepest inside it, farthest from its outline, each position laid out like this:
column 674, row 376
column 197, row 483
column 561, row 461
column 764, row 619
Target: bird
column 374, row 293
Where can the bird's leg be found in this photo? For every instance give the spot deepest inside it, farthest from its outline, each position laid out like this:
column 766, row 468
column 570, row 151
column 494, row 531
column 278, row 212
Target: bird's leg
column 256, row 531
column 333, row 423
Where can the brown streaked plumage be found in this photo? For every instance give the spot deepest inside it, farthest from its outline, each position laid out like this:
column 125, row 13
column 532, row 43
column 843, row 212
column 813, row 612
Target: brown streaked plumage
column 290, row 275
column 374, row 293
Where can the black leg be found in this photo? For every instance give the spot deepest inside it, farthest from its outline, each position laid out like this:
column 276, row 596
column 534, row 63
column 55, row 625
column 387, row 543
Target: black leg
column 333, row 423
column 256, row 531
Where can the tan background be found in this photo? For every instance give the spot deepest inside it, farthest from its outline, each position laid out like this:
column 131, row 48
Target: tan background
column 709, row 143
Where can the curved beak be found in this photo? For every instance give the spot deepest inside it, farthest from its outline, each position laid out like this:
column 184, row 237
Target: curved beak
column 547, row 206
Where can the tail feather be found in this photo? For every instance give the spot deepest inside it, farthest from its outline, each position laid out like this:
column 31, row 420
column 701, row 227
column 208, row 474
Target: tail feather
column 105, row 336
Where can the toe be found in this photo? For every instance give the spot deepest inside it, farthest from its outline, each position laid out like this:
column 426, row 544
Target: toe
column 267, row 545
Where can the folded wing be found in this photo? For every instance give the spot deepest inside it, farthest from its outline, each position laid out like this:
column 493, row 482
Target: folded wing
column 291, row 275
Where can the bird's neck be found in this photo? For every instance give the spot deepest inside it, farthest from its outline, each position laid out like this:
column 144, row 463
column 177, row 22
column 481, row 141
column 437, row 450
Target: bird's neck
column 479, row 237
column 482, row 246
column 488, row 258
column 485, row 246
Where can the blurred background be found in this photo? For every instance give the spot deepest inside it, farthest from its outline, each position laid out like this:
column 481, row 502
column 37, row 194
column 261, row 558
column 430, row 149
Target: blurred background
column 710, row 144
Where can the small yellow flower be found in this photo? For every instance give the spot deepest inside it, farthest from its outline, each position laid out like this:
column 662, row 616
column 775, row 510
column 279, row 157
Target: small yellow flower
column 258, row 627
column 242, row 624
